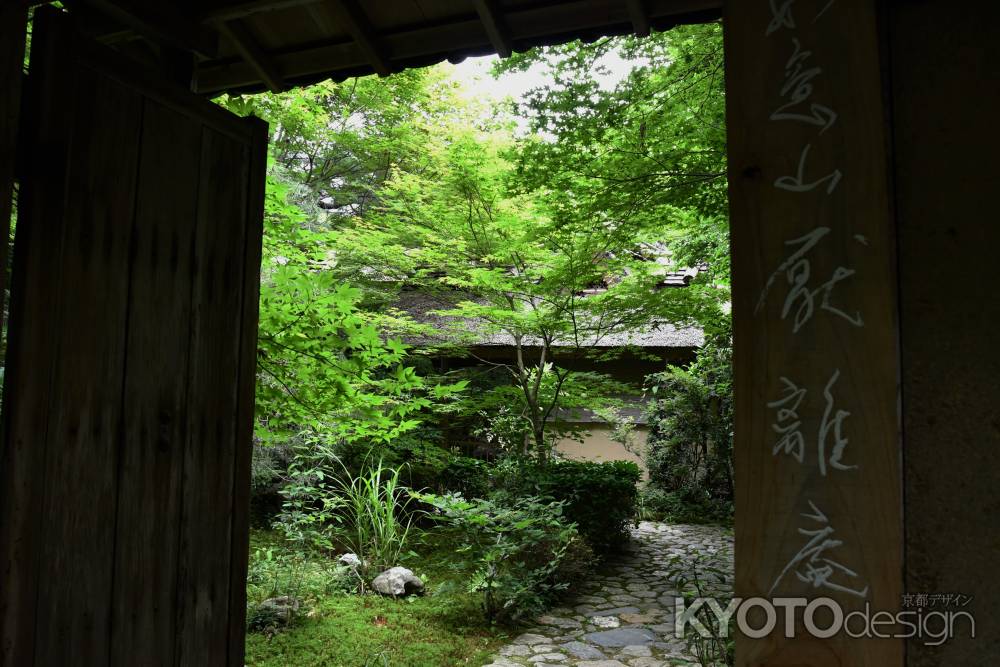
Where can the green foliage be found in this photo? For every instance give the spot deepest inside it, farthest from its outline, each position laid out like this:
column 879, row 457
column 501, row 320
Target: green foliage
column 684, row 506
column 292, row 576
column 600, row 498
column 690, row 445
column 322, row 365
column 649, row 155
column 707, row 575
column 326, row 506
column 442, row 627
column 518, row 550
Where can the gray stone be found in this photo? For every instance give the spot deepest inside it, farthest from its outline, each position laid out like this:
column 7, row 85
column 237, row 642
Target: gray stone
column 621, row 637
column 582, row 651
column 397, row 581
column 530, row 639
column 647, row 662
column 350, row 560
column 280, row 609
column 558, row 622
column 614, row 611
column 502, row 662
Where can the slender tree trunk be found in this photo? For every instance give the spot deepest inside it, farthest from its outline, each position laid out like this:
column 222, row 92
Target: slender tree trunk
column 540, row 447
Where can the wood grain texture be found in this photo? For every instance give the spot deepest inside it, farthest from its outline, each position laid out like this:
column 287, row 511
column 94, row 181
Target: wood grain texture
column 813, row 249
column 78, row 512
column 156, row 383
column 125, row 458
column 246, row 385
column 13, row 22
column 433, row 37
column 944, row 111
column 46, row 413
column 213, row 367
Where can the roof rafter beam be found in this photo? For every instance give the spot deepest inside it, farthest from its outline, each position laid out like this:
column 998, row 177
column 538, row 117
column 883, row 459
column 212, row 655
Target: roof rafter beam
column 640, row 18
column 238, row 33
column 244, row 9
column 496, row 29
column 351, row 17
column 159, row 23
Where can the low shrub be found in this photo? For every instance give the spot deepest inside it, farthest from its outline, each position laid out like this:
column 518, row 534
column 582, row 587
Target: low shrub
column 689, row 453
column 523, row 553
column 600, row 498
column 684, row 506
column 281, row 584
column 423, row 464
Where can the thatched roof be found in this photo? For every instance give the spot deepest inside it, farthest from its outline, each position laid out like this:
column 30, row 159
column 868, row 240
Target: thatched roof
column 421, row 306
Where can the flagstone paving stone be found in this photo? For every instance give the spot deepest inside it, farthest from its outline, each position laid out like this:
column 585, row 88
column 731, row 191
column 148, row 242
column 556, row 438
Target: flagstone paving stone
column 624, row 616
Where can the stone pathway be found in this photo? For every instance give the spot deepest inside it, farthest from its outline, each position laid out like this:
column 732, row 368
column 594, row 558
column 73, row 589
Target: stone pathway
column 624, row 617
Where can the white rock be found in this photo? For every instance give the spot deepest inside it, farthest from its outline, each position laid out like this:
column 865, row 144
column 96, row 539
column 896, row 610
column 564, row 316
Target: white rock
column 397, row 581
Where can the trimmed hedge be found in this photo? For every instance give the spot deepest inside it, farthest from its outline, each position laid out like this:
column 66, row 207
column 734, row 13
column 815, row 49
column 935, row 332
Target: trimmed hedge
column 601, row 498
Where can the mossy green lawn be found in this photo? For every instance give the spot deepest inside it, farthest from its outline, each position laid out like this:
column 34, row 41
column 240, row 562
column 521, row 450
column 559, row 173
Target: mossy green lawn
column 443, row 627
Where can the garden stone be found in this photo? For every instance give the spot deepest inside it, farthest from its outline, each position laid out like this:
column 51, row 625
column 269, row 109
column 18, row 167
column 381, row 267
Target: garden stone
column 582, row 651
column 502, row 662
column 350, row 560
column 621, row 637
column 601, row 663
column 280, row 608
column 397, row 581
column 638, row 618
column 615, row 611
column 515, row 649
column 605, row 621
column 559, row 622
column 530, row 639
column 646, row 662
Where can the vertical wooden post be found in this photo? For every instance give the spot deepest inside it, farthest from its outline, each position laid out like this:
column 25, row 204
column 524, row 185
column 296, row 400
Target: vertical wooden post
column 13, row 26
column 819, row 511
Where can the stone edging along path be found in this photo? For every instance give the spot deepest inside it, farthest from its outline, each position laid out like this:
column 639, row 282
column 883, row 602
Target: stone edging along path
column 624, row 616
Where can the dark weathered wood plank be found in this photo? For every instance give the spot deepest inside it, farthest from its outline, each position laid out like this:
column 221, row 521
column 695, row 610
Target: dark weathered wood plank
column 163, row 23
column 13, row 22
column 640, row 19
column 244, row 9
column 245, row 44
column 156, row 383
column 34, row 294
column 489, row 14
column 73, row 227
column 944, row 113
column 529, row 25
column 246, row 386
column 163, row 92
column 349, row 15
column 81, row 450
column 214, row 364
column 119, row 382
column 814, row 302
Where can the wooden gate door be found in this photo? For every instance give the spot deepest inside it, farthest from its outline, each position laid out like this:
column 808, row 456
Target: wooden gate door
column 129, row 391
